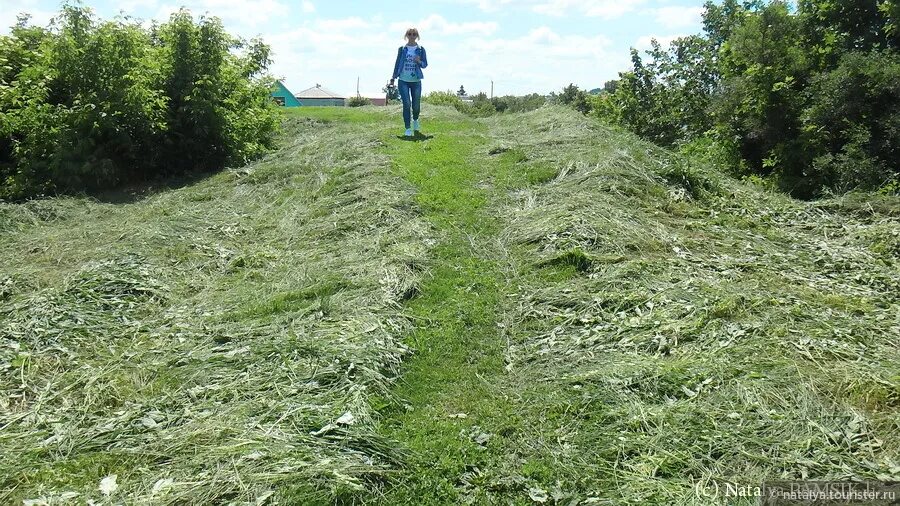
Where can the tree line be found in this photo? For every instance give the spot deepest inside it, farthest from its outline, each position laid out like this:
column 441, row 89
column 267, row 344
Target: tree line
column 804, row 96
column 88, row 104
column 481, row 105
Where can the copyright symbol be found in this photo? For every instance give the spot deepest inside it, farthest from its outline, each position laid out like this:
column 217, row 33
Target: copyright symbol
column 707, row 489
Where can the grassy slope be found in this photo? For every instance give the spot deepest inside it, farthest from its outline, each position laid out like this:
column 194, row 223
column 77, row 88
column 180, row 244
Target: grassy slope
column 616, row 325
column 202, row 342
column 598, row 322
column 687, row 328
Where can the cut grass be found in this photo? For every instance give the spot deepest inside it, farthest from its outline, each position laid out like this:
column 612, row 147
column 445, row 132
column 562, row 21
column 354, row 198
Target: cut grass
column 742, row 337
column 658, row 341
column 591, row 318
column 449, row 405
column 202, row 343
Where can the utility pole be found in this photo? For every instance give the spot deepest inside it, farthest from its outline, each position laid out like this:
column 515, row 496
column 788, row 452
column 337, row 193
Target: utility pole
column 357, row 86
column 492, row 89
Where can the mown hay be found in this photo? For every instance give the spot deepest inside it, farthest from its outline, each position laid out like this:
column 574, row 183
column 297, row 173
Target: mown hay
column 717, row 333
column 217, row 343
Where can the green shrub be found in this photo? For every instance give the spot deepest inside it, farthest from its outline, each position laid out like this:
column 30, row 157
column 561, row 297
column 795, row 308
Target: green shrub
column 853, row 123
column 358, row 101
column 93, row 104
column 480, row 106
column 803, row 94
column 442, row 98
column 717, row 152
column 511, row 103
column 576, row 98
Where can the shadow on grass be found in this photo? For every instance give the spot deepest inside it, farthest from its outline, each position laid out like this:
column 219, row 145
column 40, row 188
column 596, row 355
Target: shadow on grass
column 417, row 137
column 133, row 192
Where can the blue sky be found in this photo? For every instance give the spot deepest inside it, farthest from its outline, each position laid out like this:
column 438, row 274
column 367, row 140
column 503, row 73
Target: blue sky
column 524, row 46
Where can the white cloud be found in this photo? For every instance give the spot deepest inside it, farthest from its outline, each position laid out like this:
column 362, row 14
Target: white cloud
column 543, row 34
column 678, row 16
column 605, row 9
column 438, row 25
column 12, row 8
column 347, row 47
column 343, row 25
column 241, row 15
column 130, row 6
column 538, row 61
column 461, row 50
column 495, row 5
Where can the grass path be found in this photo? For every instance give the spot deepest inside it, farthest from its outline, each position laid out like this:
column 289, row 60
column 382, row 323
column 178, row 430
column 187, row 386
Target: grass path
column 571, row 421
column 454, row 407
column 471, row 432
column 463, row 416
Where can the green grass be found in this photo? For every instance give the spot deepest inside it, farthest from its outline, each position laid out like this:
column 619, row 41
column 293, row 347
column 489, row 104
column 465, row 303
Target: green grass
column 527, row 308
column 706, row 330
column 459, row 352
column 205, row 340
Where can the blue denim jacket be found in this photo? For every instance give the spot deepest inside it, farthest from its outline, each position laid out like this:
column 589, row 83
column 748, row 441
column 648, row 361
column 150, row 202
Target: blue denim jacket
column 398, row 65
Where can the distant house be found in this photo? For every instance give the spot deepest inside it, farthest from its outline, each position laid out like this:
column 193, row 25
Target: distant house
column 283, row 96
column 317, row 95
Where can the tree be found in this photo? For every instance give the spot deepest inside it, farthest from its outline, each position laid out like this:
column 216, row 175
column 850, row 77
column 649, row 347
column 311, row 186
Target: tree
column 765, row 70
column 93, row 103
column 568, row 94
column 461, row 92
column 642, row 102
column 833, row 28
column 852, row 125
column 573, row 96
column 720, row 21
column 509, row 103
column 610, row 86
column 891, row 11
column 806, row 96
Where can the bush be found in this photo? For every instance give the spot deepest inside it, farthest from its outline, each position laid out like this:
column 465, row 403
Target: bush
column 718, row 153
column 853, row 123
column 576, row 98
column 91, row 104
column 442, row 98
column 480, row 105
column 511, row 103
column 358, row 101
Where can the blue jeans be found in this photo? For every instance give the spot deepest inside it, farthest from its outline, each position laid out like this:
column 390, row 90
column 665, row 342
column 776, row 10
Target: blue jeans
column 410, row 92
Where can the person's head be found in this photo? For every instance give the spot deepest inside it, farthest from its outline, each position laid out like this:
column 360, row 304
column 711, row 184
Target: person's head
column 412, row 35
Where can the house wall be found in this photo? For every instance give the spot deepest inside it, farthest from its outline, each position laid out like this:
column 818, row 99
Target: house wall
column 322, row 101
column 282, row 93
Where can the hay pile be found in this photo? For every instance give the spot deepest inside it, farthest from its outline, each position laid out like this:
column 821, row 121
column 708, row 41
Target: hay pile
column 212, row 343
column 690, row 328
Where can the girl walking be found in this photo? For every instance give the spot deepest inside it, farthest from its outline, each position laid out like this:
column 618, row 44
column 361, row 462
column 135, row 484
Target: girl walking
column 411, row 59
